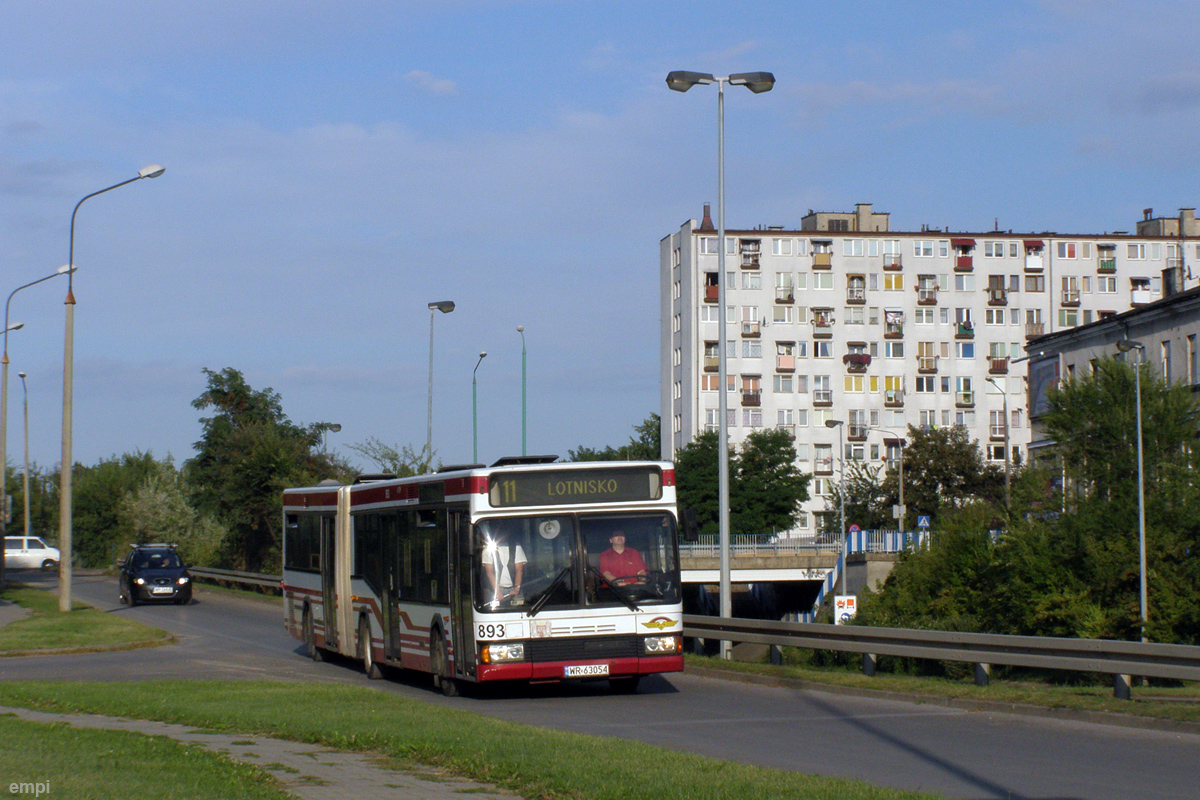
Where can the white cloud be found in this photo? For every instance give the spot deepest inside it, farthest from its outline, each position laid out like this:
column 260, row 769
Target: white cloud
column 424, row 80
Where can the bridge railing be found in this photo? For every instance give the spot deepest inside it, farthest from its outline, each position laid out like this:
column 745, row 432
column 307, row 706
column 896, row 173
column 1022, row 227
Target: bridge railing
column 740, row 544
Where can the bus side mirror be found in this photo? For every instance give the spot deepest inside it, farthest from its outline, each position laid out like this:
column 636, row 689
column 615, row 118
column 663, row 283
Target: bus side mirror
column 691, row 531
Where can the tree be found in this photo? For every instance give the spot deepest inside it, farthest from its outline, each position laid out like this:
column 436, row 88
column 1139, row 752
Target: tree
column 944, row 469
column 646, row 446
column 403, row 462
column 248, row 453
column 159, row 511
column 765, row 486
column 97, row 493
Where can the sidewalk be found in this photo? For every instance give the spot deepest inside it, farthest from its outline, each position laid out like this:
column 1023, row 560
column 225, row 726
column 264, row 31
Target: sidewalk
column 11, row 612
column 307, row 771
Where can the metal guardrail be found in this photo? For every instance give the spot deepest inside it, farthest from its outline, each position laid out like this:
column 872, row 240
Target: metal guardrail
column 1117, row 658
column 230, row 576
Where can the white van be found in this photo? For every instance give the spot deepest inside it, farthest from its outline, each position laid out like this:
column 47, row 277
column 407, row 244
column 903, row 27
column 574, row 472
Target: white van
column 29, row 552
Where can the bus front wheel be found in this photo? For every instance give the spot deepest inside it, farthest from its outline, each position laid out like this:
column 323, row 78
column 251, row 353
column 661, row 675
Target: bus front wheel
column 441, row 668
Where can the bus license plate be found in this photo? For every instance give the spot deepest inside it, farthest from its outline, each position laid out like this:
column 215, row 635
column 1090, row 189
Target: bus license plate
column 585, row 670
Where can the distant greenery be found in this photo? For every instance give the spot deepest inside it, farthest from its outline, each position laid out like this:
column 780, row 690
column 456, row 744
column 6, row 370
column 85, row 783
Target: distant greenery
column 99, row 764
column 532, row 761
column 645, row 446
column 1067, row 564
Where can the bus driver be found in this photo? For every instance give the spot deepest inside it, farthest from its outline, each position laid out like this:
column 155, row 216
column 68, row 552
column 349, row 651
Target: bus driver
column 621, row 565
column 504, row 565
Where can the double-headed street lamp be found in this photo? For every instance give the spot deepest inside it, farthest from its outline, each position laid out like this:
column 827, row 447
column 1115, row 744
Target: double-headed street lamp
column 757, row 82
column 444, row 306
column 64, row 486
column 1125, row 345
column 475, row 411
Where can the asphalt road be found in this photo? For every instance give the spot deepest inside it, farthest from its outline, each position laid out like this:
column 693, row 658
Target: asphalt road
column 906, row 745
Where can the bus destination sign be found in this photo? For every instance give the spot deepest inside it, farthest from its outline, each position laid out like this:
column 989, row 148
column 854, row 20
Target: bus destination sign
column 575, row 486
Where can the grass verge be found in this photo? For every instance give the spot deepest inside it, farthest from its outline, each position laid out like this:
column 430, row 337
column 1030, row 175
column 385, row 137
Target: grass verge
column 81, row 763
column 1178, row 704
column 84, row 628
column 530, row 761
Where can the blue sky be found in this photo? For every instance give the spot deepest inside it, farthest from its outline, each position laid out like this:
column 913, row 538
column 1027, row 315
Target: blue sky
column 333, row 167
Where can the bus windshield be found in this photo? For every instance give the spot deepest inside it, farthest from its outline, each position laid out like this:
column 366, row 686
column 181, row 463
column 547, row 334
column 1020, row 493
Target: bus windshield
column 575, row 560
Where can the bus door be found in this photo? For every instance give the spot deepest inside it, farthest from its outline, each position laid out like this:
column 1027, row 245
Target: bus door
column 329, row 566
column 460, row 578
column 390, row 558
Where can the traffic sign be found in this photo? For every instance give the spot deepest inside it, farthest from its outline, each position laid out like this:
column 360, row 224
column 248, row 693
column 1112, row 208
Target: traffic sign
column 922, row 522
column 855, row 529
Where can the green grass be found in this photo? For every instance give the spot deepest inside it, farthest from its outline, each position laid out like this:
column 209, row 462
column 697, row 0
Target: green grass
column 82, row 763
column 1180, row 704
column 531, row 761
column 84, row 627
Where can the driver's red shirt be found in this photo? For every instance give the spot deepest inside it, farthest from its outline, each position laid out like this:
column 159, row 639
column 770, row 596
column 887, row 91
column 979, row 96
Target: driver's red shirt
column 625, row 564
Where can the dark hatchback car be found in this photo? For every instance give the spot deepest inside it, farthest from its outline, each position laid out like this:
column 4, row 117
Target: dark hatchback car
column 154, row 573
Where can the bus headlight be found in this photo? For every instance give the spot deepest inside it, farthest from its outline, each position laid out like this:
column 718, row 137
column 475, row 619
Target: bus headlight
column 663, row 645
column 499, row 653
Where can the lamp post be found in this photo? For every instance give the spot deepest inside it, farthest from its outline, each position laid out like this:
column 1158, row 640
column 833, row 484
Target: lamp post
column 25, row 476
column 1007, row 450
column 757, row 82
column 1125, row 345
column 521, row 330
column 4, row 429
column 444, row 306
column 335, row 427
column 475, row 410
column 64, row 481
column 837, row 423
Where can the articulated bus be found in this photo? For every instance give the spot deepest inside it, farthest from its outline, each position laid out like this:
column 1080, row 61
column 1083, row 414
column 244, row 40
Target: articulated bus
column 526, row 570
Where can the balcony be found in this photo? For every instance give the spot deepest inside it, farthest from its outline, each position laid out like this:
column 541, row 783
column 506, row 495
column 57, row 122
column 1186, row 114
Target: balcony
column 751, row 398
column 1034, row 329
column 856, row 295
column 964, row 330
column 785, row 294
column 823, row 326
column 822, row 260
column 711, row 293
column 964, row 263
column 1106, row 266
column 998, row 365
column 996, row 432
column 964, row 399
column 823, row 466
column 785, row 363
column 926, row 296
column 893, row 398
column 927, row 365
column 712, row 363
column 1034, row 262
column 822, row 398
column 1139, row 297
column 997, row 297
column 1070, row 298
column 750, row 260
column 856, row 363
column 751, row 329
column 892, row 262
column 856, row 432
column 893, row 330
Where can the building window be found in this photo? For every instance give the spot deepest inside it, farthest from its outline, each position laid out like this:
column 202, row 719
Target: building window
column 751, row 280
column 1068, row 317
column 781, row 247
column 853, row 315
column 710, row 383
column 1066, row 249
column 893, row 282
column 752, row 417
column 823, row 280
column 822, row 349
column 751, row 348
column 893, row 349
column 781, row 315
column 852, row 247
column 926, row 384
column 1035, row 283
column 923, row 248
column 923, row 316
column 1193, row 360
column 964, row 349
column 784, row 384
column 1106, row 284
column 708, row 246
column 993, row 249
column 1136, row 252
column 964, row 283
column 853, row 384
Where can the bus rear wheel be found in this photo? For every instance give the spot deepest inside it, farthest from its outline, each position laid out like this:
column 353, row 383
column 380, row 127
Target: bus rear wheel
column 441, row 668
column 310, row 638
column 365, row 653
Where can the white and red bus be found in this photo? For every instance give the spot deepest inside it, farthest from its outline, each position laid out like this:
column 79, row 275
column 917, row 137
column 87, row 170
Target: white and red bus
column 477, row 574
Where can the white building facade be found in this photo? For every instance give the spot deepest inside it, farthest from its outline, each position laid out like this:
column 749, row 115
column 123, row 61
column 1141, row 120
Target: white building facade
column 846, row 320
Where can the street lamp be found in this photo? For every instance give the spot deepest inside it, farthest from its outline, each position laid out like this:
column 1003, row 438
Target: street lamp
column 757, row 82
column 64, row 481
column 1125, row 345
column 475, row 411
column 901, row 510
column 521, row 330
column 444, row 306
column 326, row 428
column 1007, row 450
column 837, row 423
column 25, row 481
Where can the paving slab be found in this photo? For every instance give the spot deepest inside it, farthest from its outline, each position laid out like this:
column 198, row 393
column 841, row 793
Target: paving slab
column 11, row 612
column 307, row 771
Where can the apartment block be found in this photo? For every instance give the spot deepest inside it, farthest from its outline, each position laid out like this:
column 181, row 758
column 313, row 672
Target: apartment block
column 844, row 319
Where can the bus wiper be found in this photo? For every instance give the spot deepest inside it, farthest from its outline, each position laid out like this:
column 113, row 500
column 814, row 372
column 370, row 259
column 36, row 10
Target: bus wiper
column 536, row 607
column 632, row 606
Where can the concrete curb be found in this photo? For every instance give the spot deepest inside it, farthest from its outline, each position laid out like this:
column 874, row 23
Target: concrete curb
column 966, row 704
